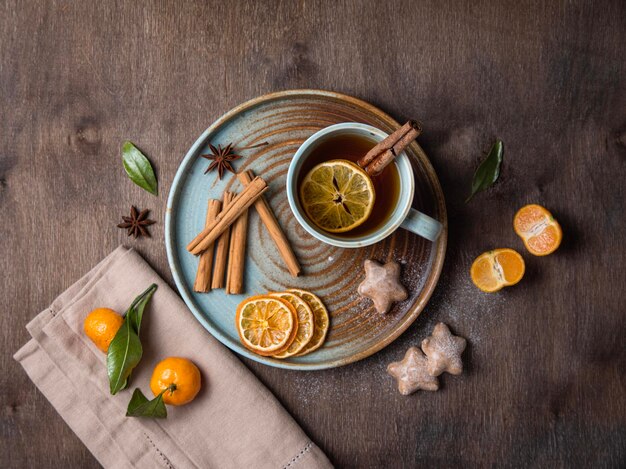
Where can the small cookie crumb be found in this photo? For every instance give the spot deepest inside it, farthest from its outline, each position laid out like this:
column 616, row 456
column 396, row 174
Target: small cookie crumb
column 444, row 351
column 382, row 284
column 412, row 373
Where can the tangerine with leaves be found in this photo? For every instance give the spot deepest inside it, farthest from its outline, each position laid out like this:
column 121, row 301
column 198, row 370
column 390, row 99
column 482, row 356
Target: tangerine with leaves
column 179, row 378
column 101, row 325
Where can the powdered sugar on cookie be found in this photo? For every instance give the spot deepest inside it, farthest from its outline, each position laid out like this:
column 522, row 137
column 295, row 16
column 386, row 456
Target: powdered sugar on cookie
column 444, row 351
column 382, row 285
column 411, row 373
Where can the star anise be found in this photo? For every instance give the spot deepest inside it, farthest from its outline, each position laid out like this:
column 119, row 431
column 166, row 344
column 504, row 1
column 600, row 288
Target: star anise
column 221, row 158
column 137, row 222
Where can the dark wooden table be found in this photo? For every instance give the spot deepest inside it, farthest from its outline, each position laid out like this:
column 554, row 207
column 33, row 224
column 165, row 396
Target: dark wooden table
column 545, row 381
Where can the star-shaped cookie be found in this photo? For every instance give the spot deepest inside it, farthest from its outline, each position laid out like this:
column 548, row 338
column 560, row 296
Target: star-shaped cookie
column 382, row 284
column 444, row 351
column 412, row 373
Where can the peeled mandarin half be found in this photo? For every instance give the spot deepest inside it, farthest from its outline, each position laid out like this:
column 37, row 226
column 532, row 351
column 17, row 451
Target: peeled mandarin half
column 306, row 323
column 337, row 196
column 322, row 320
column 493, row 270
column 538, row 229
column 266, row 325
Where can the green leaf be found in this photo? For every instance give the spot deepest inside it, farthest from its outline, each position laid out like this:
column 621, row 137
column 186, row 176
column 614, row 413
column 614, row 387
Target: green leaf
column 124, row 354
column 140, row 406
column 138, row 168
column 488, row 171
column 135, row 311
column 125, row 350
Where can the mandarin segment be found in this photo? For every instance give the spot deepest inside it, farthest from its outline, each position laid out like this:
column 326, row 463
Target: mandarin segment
column 539, row 230
column 511, row 265
column 529, row 216
column 483, row 275
column 545, row 242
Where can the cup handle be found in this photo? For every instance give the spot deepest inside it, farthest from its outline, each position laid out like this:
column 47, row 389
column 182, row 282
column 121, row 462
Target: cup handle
column 422, row 225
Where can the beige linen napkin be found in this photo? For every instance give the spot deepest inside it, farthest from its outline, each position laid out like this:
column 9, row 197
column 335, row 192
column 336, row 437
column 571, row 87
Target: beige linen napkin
column 234, row 422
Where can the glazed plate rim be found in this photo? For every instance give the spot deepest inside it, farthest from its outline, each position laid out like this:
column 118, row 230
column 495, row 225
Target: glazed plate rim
column 185, row 165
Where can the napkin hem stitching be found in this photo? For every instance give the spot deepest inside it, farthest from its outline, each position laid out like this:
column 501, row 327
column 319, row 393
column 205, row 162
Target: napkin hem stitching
column 165, row 459
column 299, row 455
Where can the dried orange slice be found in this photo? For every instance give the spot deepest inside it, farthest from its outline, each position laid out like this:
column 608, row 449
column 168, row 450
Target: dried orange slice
column 322, row 321
column 306, row 323
column 266, row 325
column 538, row 229
column 495, row 269
column 337, row 195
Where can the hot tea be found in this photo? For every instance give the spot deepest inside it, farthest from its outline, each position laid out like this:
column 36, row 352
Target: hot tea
column 386, row 184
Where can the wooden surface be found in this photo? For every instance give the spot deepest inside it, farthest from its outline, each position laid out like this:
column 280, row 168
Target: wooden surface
column 545, row 377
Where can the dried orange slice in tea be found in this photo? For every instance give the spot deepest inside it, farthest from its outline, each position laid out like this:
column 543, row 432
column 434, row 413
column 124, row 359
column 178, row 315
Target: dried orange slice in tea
column 266, row 325
column 337, row 195
column 306, row 323
column 495, row 269
column 322, row 320
column 538, row 229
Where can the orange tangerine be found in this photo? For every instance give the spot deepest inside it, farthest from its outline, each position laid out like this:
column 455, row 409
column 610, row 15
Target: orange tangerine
column 101, row 325
column 493, row 270
column 538, row 229
column 180, row 375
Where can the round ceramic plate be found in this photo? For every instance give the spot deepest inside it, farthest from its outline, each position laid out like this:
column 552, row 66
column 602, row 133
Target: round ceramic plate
column 285, row 119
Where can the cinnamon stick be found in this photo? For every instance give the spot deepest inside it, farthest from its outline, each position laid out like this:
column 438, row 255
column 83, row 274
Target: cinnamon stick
column 386, row 150
column 237, row 255
column 227, row 217
column 276, row 233
column 221, row 249
column 202, row 283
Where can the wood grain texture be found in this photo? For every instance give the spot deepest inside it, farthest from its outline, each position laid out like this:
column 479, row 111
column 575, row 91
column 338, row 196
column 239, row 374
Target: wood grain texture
column 544, row 383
